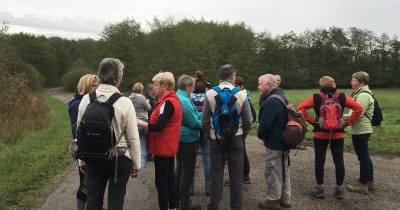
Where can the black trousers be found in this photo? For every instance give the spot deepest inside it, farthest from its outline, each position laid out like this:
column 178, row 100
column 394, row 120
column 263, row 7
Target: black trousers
column 320, row 147
column 165, row 182
column 97, row 178
column 186, row 164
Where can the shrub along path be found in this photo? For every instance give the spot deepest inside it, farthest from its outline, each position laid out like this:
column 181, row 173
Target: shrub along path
column 142, row 194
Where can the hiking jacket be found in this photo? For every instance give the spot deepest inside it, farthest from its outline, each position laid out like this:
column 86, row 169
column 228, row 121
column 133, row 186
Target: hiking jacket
column 142, row 106
column 164, row 143
column 73, row 106
column 321, row 134
column 272, row 119
column 363, row 125
column 191, row 119
column 242, row 105
column 124, row 122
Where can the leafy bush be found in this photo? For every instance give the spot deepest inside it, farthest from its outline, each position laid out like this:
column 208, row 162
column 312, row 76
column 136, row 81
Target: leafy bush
column 23, row 111
column 71, row 78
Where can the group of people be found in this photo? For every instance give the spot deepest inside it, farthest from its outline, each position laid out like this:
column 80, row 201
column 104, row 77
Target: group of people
column 172, row 125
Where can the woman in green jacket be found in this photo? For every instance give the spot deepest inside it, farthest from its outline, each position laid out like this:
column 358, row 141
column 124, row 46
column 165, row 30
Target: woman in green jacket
column 361, row 130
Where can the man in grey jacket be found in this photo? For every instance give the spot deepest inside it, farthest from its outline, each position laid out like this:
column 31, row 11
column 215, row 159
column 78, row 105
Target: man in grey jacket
column 222, row 148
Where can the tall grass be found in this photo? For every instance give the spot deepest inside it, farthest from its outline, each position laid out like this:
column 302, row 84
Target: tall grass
column 22, row 112
column 385, row 139
column 29, row 164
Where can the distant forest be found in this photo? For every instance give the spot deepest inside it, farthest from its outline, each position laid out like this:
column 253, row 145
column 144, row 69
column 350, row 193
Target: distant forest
column 185, row 46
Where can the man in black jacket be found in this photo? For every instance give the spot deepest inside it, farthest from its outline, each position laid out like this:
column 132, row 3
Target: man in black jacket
column 272, row 119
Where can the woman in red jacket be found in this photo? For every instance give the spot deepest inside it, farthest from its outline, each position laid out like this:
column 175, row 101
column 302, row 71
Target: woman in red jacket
column 164, row 129
column 322, row 136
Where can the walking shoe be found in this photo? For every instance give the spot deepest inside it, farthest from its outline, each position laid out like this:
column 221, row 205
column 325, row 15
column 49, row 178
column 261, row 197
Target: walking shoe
column 268, row 204
column 339, row 192
column 358, row 187
column 371, row 185
column 319, row 191
column 246, row 179
column 207, row 192
column 285, row 204
column 186, row 204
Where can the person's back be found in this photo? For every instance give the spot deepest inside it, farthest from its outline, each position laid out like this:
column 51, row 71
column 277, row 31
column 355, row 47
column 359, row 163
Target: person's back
column 221, row 147
column 142, row 106
column 125, row 156
column 329, row 103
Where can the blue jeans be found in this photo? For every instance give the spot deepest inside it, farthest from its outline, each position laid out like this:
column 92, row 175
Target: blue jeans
column 360, row 143
column 205, row 154
column 143, row 145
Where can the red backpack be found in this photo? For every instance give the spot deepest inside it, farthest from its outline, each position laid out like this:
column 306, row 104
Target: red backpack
column 330, row 111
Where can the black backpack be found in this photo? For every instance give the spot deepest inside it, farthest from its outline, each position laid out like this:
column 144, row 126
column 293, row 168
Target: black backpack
column 95, row 134
column 377, row 118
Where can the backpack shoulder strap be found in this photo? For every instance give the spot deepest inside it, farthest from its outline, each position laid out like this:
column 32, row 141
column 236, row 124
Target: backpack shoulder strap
column 342, row 100
column 217, row 89
column 280, row 99
column 235, row 90
column 317, row 103
column 113, row 98
column 92, row 96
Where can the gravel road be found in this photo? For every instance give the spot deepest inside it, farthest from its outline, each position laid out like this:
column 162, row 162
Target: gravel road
column 142, row 194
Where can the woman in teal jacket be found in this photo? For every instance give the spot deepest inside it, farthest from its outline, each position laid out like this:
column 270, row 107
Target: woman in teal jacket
column 189, row 137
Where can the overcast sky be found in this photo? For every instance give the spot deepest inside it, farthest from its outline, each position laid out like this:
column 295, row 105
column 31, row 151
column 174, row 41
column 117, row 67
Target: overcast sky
column 87, row 18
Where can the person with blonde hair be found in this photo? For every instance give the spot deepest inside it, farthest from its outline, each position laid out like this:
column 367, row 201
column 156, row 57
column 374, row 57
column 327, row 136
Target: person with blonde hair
column 164, row 131
column 142, row 108
column 87, row 83
column 323, row 137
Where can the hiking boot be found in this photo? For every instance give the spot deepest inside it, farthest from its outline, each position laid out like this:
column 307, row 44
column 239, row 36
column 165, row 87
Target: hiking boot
column 268, row 204
column 371, row 185
column 358, row 187
column 186, row 204
column 319, row 191
column 339, row 192
column 207, row 192
column 285, row 204
column 246, row 179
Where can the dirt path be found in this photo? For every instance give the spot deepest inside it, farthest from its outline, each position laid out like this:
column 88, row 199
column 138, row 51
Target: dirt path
column 141, row 192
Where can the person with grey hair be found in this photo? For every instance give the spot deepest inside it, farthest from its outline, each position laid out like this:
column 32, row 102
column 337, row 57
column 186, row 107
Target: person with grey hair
column 272, row 118
column 222, row 148
column 125, row 129
column 188, row 139
column 360, row 131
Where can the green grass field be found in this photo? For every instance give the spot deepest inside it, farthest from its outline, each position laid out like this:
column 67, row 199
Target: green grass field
column 385, row 139
column 28, row 166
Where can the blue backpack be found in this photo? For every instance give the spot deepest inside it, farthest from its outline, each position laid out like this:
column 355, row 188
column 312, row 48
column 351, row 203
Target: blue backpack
column 225, row 117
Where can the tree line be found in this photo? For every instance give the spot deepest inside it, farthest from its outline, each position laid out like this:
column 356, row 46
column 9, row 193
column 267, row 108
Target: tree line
column 188, row 45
